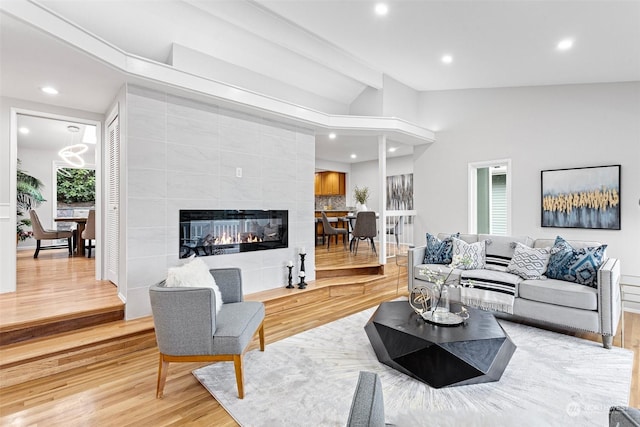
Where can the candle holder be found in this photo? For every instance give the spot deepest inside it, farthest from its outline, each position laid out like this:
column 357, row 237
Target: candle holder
column 302, row 284
column 290, row 285
column 302, row 255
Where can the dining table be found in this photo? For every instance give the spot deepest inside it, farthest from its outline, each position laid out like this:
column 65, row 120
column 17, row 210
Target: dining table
column 81, row 222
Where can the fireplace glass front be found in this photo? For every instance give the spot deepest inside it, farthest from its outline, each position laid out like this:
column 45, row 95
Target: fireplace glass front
column 219, row 232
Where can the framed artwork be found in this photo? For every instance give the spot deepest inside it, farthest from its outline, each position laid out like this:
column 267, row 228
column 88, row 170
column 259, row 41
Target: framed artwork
column 586, row 197
column 400, row 192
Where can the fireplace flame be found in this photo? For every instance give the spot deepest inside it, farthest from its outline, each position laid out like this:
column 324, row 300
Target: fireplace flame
column 228, row 239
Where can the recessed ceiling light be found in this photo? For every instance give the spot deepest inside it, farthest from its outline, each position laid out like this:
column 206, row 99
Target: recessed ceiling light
column 381, row 9
column 392, row 149
column 332, row 135
column 49, row 90
column 73, row 129
column 353, row 156
column 23, row 130
column 565, row 44
column 447, row 59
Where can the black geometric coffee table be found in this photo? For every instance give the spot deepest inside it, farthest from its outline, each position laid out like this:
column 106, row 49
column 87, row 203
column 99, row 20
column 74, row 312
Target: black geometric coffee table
column 477, row 351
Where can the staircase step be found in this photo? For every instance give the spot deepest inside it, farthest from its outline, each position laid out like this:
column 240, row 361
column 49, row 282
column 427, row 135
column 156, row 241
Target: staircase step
column 349, row 270
column 53, row 325
column 41, row 357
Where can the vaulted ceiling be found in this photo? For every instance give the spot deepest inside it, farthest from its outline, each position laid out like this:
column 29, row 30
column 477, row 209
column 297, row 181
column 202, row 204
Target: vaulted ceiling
column 323, row 54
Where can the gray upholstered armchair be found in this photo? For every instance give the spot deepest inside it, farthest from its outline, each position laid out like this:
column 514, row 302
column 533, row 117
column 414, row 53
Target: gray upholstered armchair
column 189, row 330
column 367, row 405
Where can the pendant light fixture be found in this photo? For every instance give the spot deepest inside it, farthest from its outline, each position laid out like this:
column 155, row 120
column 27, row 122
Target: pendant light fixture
column 72, row 153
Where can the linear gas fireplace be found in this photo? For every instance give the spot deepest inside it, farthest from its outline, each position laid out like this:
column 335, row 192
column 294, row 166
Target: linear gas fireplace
column 219, row 232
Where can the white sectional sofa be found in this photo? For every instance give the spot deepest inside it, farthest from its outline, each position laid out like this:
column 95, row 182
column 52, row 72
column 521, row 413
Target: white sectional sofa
column 559, row 303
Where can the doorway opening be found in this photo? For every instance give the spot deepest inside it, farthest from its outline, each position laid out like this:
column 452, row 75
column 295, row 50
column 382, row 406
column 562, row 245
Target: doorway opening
column 47, row 282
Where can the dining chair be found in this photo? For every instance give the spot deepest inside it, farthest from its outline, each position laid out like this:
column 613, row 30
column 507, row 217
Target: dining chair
column 89, row 232
column 188, row 328
column 365, row 228
column 40, row 234
column 333, row 231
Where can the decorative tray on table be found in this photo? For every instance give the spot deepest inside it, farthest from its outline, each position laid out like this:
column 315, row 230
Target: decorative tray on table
column 443, row 318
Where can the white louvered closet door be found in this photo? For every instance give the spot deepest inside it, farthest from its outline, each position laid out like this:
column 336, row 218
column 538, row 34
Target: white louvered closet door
column 113, row 201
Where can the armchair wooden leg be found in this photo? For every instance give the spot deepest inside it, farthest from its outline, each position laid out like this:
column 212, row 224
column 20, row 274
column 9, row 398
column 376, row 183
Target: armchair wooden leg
column 261, row 335
column 163, row 367
column 237, row 362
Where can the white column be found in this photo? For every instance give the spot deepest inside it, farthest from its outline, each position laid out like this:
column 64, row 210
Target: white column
column 382, row 199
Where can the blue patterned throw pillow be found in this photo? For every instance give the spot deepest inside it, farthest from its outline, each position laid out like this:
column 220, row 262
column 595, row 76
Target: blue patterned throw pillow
column 439, row 251
column 575, row 265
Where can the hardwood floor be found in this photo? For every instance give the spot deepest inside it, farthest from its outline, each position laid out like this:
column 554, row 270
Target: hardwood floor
column 121, row 391
column 54, row 285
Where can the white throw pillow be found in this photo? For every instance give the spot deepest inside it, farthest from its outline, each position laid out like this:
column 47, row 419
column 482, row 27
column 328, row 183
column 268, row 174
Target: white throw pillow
column 194, row 274
column 476, row 252
column 529, row 263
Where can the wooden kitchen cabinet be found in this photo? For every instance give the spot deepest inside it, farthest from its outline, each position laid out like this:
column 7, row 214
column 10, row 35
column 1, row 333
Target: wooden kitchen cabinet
column 330, row 184
column 318, row 184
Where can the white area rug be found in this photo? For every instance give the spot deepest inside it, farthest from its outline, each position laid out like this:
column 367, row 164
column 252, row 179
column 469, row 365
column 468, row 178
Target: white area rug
column 309, row 380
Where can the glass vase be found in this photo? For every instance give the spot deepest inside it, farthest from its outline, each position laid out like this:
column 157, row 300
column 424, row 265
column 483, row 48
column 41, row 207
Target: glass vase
column 442, row 308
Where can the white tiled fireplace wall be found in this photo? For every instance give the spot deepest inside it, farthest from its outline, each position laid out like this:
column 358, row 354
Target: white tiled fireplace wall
column 183, row 154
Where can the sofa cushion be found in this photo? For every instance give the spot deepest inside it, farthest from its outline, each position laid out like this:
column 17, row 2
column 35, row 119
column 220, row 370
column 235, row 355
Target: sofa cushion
column 501, row 249
column 438, row 250
column 476, row 252
column 469, row 238
column 529, row 263
column 559, row 292
column 575, row 265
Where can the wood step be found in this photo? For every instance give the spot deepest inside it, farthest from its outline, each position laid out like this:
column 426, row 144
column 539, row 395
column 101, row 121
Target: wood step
column 47, row 326
column 41, row 357
column 282, row 299
column 349, row 270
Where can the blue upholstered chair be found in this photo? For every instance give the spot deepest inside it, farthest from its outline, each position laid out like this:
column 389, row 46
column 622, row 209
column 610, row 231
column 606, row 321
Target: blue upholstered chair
column 189, row 330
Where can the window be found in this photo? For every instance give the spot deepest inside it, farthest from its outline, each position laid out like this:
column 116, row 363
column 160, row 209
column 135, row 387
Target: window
column 75, row 191
column 490, row 197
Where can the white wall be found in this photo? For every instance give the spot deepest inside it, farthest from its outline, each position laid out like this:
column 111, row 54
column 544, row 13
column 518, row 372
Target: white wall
column 201, row 64
column 399, row 100
column 368, row 103
column 181, row 154
column 365, row 174
column 539, row 128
